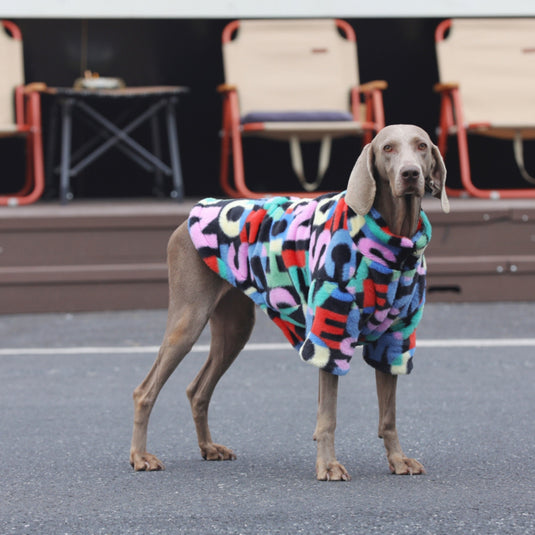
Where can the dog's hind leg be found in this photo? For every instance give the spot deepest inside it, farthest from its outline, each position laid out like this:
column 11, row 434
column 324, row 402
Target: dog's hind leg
column 231, row 324
column 194, row 292
column 173, row 349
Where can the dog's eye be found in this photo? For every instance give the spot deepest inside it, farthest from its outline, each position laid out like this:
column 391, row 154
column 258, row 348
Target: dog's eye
column 422, row 146
column 388, row 148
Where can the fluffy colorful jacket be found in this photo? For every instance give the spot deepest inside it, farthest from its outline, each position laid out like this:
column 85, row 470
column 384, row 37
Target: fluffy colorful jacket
column 329, row 278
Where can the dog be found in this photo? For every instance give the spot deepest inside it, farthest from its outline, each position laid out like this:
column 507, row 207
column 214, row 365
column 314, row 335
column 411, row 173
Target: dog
column 333, row 272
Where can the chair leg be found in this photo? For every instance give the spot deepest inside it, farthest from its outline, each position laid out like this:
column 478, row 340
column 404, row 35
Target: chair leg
column 237, row 154
column 233, row 122
column 226, row 154
column 35, row 164
column 38, row 167
column 238, row 164
column 446, row 122
column 35, row 175
column 464, row 162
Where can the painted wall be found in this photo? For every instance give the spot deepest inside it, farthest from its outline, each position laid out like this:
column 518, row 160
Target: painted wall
column 259, row 8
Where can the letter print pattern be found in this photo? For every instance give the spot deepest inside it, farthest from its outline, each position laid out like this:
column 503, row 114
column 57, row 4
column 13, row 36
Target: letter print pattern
column 330, row 279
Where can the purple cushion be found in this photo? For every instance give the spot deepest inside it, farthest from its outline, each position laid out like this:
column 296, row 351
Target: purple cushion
column 295, row 116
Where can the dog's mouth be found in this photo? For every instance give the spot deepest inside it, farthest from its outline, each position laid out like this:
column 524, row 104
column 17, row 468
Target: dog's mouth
column 410, row 188
column 410, row 191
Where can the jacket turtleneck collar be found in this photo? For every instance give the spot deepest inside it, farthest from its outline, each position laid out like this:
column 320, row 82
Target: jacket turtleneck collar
column 392, row 251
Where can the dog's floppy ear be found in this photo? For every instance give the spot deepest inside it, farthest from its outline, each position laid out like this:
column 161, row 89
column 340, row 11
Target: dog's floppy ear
column 361, row 186
column 436, row 181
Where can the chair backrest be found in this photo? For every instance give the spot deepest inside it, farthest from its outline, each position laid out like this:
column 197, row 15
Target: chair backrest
column 297, row 65
column 11, row 70
column 493, row 60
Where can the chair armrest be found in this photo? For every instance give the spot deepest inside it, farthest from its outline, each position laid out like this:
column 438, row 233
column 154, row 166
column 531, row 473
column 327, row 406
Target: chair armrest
column 375, row 85
column 372, row 107
column 226, row 88
column 35, row 86
column 445, row 86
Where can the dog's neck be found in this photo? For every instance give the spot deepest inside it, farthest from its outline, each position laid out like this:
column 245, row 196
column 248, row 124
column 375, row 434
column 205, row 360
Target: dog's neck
column 401, row 214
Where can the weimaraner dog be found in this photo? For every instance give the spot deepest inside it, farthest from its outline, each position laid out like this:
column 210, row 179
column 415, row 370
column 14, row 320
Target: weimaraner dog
column 333, row 273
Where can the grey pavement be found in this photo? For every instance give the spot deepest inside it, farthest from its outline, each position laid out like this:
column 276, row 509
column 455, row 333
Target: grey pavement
column 65, row 421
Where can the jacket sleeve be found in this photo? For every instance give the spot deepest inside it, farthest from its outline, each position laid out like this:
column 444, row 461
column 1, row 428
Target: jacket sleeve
column 392, row 353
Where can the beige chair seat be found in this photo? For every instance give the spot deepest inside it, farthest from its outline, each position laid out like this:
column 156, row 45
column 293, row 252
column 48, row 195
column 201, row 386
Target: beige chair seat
column 306, row 131
column 8, row 130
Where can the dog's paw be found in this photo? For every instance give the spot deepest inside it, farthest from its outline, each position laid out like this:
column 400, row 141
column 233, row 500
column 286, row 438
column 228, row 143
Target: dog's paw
column 401, row 465
column 145, row 462
column 333, row 471
column 216, row 452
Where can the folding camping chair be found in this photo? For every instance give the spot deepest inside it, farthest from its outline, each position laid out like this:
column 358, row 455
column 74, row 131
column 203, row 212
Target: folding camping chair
column 487, row 87
column 20, row 114
column 293, row 80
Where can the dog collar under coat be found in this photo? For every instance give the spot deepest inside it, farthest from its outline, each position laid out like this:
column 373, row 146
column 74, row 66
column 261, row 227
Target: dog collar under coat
column 329, row 278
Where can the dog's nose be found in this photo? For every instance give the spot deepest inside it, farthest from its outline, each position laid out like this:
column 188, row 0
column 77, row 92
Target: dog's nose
column 410, row 173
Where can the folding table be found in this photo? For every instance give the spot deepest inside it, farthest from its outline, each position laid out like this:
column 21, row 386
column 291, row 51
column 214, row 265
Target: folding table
column 115, row 131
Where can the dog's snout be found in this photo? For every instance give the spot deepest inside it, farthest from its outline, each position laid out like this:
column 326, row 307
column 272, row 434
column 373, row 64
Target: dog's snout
column 410, row 173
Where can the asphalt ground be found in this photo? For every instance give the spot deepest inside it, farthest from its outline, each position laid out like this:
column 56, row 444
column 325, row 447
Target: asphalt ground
column 467, row 412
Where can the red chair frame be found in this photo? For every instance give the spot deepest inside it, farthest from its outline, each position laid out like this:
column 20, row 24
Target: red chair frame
column 231, row 144
column 452, row 122
column 28, row 123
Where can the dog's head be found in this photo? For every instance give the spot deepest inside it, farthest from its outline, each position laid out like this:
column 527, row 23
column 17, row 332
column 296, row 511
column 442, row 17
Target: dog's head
column 406, row 160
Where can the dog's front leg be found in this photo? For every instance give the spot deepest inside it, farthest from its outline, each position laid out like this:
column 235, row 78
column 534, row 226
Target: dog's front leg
column 386, row 394
column 327, row 467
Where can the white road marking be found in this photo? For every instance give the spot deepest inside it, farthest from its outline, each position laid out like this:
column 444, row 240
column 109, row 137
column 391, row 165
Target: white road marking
column 203, row 348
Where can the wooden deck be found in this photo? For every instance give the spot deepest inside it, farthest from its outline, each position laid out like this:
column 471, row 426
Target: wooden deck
column 111, row 255
column 484, row 250
column 86, row 255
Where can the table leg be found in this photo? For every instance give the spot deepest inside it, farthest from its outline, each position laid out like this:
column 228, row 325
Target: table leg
column 178, row 187
column 157, row 151
column 65, row 194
